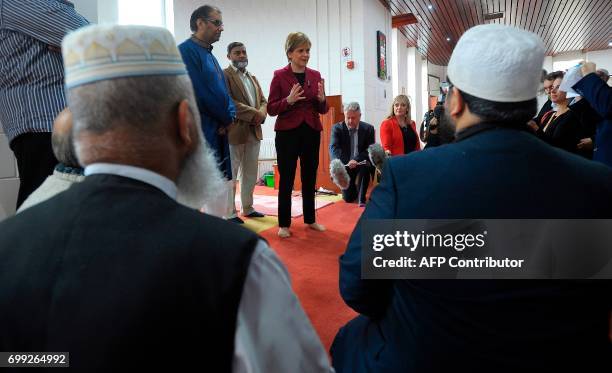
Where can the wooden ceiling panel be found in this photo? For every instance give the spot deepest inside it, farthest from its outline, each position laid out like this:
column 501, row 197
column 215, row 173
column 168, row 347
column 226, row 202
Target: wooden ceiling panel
column 597, row 19
column 575, row 19
column 572, row 15
column 563, row 25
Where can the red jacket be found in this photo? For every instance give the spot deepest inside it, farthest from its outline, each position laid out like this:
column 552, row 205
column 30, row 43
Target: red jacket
column 391, row 136
column 308, row 110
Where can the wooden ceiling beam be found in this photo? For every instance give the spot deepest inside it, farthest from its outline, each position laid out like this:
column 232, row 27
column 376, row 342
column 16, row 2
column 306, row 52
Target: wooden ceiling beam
column 403, row 20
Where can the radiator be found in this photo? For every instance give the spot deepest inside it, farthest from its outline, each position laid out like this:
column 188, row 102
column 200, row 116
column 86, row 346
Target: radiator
column 267, row 156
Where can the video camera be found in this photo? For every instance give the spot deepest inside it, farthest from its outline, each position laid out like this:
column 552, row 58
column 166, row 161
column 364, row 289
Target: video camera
column 437, row 112
column 444, row 87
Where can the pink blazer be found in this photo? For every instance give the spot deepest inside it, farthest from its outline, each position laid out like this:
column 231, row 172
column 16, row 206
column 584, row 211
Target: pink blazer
column 308, row 110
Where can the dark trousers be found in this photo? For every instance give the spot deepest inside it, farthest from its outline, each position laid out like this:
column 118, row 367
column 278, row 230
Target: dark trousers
column 358, row 186
column 35, row 161
column 302, row 142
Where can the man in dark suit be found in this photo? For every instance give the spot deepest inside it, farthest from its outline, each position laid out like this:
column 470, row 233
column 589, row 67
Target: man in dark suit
column 488, row 172
column 349, row 143
column 121, row 270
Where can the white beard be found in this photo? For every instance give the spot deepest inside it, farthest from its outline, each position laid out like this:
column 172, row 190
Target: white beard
column 200, row 181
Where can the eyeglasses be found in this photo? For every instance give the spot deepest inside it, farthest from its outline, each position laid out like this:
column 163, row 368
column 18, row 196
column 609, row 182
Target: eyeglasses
column 215, row 22
column 554, row 88
column 548, row 89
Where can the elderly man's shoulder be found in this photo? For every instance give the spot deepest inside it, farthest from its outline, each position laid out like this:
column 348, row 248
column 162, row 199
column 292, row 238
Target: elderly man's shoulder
column 164, row 236
column 152, row 215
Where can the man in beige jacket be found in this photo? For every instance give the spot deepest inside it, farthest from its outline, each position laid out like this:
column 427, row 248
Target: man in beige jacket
column 245, row 133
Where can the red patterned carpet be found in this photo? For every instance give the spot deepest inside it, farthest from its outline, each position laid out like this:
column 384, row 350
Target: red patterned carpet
column 312, row 260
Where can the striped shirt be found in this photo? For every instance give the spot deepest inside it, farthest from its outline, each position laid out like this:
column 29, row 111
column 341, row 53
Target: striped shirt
column 31, row 67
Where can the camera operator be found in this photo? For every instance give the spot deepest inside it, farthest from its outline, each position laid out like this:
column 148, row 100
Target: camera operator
column 435, row 129
column 423, row 132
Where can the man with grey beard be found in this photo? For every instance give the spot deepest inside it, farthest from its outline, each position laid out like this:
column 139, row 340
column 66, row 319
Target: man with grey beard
column 121, row 270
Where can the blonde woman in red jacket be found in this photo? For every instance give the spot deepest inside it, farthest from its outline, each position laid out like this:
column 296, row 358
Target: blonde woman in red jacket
column 398, row 133
column 297, row 96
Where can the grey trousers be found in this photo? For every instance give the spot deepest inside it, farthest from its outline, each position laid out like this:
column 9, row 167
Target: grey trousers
column 244, row 169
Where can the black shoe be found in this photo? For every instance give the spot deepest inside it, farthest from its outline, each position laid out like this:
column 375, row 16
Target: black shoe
column 255, row 214
column 236, row 220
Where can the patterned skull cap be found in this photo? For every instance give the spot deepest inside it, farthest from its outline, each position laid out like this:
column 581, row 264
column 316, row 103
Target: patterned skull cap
column 100, row 52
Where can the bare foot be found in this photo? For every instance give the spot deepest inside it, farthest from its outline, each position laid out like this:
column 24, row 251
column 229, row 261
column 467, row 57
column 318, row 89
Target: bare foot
column 317, row 227
column 284, row 232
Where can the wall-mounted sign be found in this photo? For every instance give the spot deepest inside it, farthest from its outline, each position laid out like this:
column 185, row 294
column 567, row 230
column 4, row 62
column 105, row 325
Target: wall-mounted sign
column 381, row 55
column 347, row 57
column 347, row 54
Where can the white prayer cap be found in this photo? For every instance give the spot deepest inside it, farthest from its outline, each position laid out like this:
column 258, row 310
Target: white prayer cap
column 101, row 52
column 497, row 63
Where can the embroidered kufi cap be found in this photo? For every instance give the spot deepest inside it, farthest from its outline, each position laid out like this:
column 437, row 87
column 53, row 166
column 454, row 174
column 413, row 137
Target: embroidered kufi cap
column 497, row 63
column 100, row 52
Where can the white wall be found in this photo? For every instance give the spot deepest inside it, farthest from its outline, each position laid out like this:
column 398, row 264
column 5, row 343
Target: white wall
column 399, row 68
column 564, row 61
column 89, row 8
column 424, row 99
column 107, row 11
column 548, row 64
column 378, row 93
column 9, row 181
column 417, row 82
column 437, row 70
column 603, row 60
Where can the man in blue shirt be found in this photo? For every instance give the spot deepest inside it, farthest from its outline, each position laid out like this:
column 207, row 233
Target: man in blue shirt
column 214, row 102
column 32, row 81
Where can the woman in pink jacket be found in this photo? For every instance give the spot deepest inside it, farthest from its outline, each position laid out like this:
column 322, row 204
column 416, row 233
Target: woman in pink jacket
column 297, row 96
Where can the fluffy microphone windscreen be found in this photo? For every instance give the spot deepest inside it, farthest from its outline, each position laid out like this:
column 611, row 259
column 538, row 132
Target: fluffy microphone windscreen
column 377, row 155
column 339, row 175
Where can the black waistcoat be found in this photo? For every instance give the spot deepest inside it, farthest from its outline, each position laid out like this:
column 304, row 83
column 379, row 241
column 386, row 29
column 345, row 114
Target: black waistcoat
column 124, row 278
